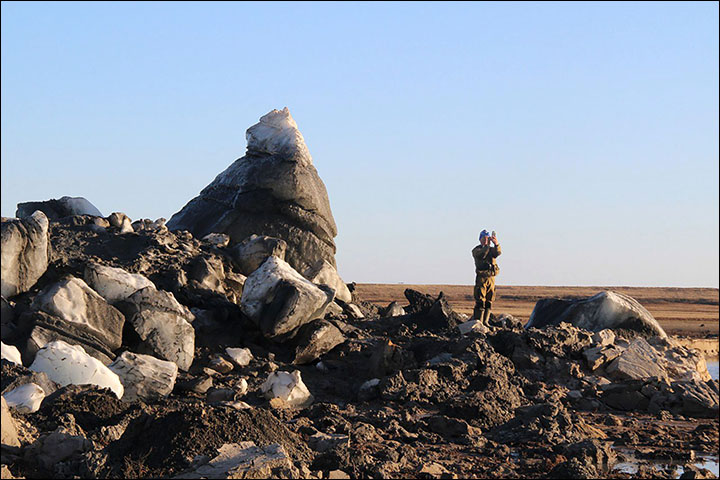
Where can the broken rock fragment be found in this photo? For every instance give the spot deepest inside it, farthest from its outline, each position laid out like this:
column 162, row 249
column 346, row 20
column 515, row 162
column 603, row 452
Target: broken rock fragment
column 241, row 356
column 144, row 377
column 287, row 387
column 164, row 325
column 316, row 339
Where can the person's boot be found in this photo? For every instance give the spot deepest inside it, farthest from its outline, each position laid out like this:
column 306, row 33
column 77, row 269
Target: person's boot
column 478, row 314
column 486, row 316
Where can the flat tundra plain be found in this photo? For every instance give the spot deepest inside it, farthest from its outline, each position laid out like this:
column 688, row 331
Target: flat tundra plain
column 691, row 312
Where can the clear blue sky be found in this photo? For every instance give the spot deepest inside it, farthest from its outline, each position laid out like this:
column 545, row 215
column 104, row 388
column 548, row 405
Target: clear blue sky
column 585, row 134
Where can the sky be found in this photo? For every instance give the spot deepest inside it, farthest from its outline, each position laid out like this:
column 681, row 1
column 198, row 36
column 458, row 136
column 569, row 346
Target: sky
column 585, row 134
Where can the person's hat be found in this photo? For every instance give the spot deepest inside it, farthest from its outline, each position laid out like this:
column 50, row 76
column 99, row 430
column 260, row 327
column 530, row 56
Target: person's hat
column 484, row 233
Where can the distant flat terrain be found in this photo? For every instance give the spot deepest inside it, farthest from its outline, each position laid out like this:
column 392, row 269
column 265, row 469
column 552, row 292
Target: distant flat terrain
column 680, row 311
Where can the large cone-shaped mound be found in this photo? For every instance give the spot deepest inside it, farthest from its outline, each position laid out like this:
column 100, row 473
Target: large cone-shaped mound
column 273, row 190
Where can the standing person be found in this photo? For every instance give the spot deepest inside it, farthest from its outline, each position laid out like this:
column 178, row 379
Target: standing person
column 485, row 270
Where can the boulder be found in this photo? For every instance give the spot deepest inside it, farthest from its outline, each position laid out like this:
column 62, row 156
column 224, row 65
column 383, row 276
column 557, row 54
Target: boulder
column 46, row 328
column 249, row 254
column 273, row 190
column 246, row 460
column 605, row 310
column 323, row 273
column 67, row 364
column 638, row 362
column 144, row 377
column 393, row 310
column 25, row 252
column 287, row 387
column 73, row 302
column 55, row 209
column 163, row 324
column 279, row 300
column 9, row 428
column 316, row 339
column 114, row 284
column 25, row 398
column 10, row 353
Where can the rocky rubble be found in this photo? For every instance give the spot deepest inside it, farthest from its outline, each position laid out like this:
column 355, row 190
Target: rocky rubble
column 238, row 352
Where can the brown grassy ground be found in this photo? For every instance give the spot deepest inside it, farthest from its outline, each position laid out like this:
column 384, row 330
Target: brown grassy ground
column 680, row 311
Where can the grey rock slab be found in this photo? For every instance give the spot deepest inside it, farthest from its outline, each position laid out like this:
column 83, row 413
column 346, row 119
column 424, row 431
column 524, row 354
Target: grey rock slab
column 45, row 328
column 245, row 460
column 74, row 302
column 164, row 325
column 144, row 377
column 25, row 252
column 606, row 310
column 638, row 362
